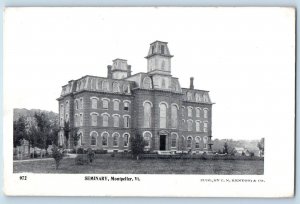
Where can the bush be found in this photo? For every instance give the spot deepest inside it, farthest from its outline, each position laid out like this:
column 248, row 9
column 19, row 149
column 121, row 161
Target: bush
column 90, row 155
column 81, row 159
column 57, row 155
column 80, row 150
column 251, row 154
column 100, row 151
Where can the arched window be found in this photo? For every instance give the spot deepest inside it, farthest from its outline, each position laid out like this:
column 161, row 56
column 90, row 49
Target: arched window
column 126, row 105
column 67, row 117
column 147, row 138
column 190, row 111
column 116, row 87
column 182, row 111
column 79, row 142
column 81, row 103
column 205, row 98
column 205, row 126
column 94, row 138
column 94, row 117
column 189, row 96
column 173, row 140
column 197, row 126
column 197, row 142
column 162, row 49
column 190, row 125
column 189, row 142
column 198, row 97
column 198, row 112
column 62, row 111
column 105, row 120
column 205, row 140
column 205, row 112
column 105, row 86
column 116, row 105
column 147, row 115
column 116, row 120
column 81, row 119
column 174, row 116
column 116, row 139
column 126, row 139
column 105, row 103
column 94, row 103
column 126, row 88
column 93, row 84
column 76, row 104
column 147, row 83
column 126, row 121
column 61, row 138
column 67, row 106
column 104, row 139
column 163, row 115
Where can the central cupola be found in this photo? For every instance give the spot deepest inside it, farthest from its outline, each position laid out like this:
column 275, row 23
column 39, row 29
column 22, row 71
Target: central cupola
column 159, row 58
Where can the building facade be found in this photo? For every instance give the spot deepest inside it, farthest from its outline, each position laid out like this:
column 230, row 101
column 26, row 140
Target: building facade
column 107, row 111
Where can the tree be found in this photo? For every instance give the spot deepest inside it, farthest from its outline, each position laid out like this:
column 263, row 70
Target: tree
column 57, row 155
column 19, row 131
column 67, row 130
column 43, row 129
column 75, row 137
column 261, row 146
column 225, row 148
column 228, row 149
column 53, row 135
column 137, row 145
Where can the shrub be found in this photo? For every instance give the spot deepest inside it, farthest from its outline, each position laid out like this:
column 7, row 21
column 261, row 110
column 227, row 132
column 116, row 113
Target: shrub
column 57, row 155
column 251, row 154
column 81, row 159
column 137, row 145
column 100, row 151
column 80, row 150
column 90, row 155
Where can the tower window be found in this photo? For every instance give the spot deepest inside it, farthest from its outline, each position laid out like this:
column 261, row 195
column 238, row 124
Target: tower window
column 162, row 49
column 152, row 49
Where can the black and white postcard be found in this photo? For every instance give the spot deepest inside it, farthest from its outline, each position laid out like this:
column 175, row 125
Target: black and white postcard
column 144, row 101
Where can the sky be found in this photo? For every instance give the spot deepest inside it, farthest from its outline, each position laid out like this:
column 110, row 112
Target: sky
column 244, row 57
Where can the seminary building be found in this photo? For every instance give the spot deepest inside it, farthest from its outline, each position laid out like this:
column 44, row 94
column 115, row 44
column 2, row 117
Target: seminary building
column 109, row 110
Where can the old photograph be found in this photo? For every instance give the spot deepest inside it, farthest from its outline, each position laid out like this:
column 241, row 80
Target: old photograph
column 139, row 94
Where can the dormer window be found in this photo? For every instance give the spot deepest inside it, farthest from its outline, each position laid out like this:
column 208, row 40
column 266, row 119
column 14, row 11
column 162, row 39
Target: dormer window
column 162, row 49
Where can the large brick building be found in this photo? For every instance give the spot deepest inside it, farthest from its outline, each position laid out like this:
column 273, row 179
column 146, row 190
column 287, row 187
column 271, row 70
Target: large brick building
column 109, row 110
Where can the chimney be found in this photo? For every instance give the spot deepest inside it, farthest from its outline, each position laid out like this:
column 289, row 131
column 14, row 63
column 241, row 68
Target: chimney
column 109, row 74
column 128, row 70
column 192, row 83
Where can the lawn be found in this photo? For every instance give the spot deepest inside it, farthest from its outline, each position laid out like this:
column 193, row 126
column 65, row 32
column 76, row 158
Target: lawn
column 116, row 165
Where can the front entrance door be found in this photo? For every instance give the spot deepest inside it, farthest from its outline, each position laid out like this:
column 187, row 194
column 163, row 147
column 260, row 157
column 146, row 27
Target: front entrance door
column 162, row 142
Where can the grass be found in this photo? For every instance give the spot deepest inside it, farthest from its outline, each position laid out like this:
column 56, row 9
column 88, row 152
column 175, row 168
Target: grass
column 105, row 164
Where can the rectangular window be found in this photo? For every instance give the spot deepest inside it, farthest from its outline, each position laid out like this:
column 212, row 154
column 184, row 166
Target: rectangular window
column 126, row 121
